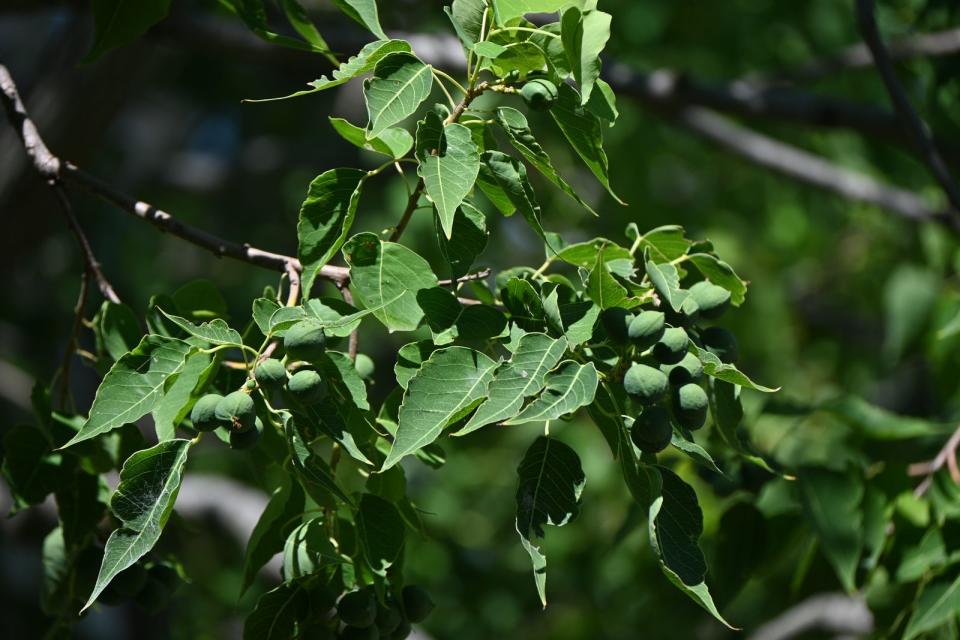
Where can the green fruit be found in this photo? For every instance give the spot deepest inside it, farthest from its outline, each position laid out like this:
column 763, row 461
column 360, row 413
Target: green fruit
column 646, row 383
column 615, row 322
column 402, row 631
column 539, row 94
column 307, row 386
column 246, row 439
column 646, row 328
column 271, row 374
column 358, row 608
column 690, row 406
column 687, row 370
column 720, row 343
column 236, row 411
column 712, row 299
column 305, row 341
column 204, row 413
column 388, row 619
column 652, row 431
column 351, row 632
column 364, row 366
column 672, row 346
column 417, row 603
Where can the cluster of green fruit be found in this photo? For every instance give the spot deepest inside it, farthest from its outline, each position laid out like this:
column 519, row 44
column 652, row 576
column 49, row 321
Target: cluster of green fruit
column 236, row 412
column 664, row 375
column 539, row 94
column 365, row 617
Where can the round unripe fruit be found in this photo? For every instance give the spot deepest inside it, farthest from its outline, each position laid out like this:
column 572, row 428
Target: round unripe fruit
column 305, row 341
column 236, row 410
column 646, row 328
column 651, row 431
column 713, row 300
column 246, row 439
column 690, row 406
column 360, row 633
column 720, row 343
column 364, row 366
column 417, row 603
column 271, row 374
column 615, row 323
column 307, row 386
column 358, row 608
column 672, row 346
column 687, row 370
column 645, row 383
column 388, row 619
column 539, row 94
column 204, row 412
column 402, row 631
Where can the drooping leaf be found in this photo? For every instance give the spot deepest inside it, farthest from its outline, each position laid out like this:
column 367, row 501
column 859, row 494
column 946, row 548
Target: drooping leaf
column 441, row 309
column 550, row 483
column 120, row 22
column 276, row 522
column 517, row 380
column 325, row 219
column 277, row 612
column 301, row 23
column 603, row 288
column 263, row 310
column 339, row 369
column 584, row 132
column 393, row 142
column 466, row 242
column 832, row 501
column 666, row 280
column 568, row 388
column 387, row 276
column 400, row 83
column 364, row 12
column 180, row 396
column 584, row 35
column 574, row 321
column 510, row 176
column 31, row 471
column 446, row 387
column 712, row 366
column 514, row 123
column 308, row 549
column 449, row 163
column 149, row 482
column 381, row 530
column 215, row 331
column 134, row 385
column 313, row 471
column 721, row 274
column 119, row 329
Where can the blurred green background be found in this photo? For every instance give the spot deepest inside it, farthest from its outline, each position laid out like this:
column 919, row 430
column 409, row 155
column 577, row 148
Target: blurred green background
column 844, row 299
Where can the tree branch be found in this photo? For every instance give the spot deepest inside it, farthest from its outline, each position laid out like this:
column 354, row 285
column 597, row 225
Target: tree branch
column 909, row 119
column 806, row 167
column 947, row 455
column 408, row 211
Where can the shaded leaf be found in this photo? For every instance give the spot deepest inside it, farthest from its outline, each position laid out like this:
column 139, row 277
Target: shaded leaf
column 364, row 12
column 120, row 22
column 275, row 524
column 584, row 35
column 381, row 530
column 568, row 388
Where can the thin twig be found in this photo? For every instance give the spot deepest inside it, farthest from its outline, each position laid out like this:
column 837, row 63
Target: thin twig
column 909, row 118
column 353, row 346
column 947, row 455
column 293, row 275
column 412, row 201
column 479, row 275
column 72, row 343
column 91, row 264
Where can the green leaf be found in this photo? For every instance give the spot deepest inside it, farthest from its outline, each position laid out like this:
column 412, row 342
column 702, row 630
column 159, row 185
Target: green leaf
column 180, row 396
column 510, row 9
column 467, row 19
column 665, row 243
column 467, row 240
column 386, row 276
column 938, row 603
column 695, row 452
column 337, row 318
column 363, row 12
column 301, row 23
column 134, row 385
column 339, row 368
column 254, row 15
column 119, row 329
column 263, row 310
column 568, row 388
column 278, row 612
column 584, row 35
column 574, row 321
column 550, row 483
column 514, row 123
column 325, row 219
column 584, row 132
column 603, row 102
column 409, row 359
column 149, row 482
column 215, row 332
column 30, row 470
column 446, row 388
column 400, row 83
column 276, row 523
column 585, row 254
column 120, row 22
column 313, row 471
column 81, row 505
column 381, row 532
column 393, row 142
column 604, row 289
column 517, row 380
column 200, row 300
column 666, row 280
column 510, row 176
column 449, row 163
column 308, row 549
column 441, row 310
column 832, row 502
column 727, row 372
column 721, row 274
column 909, row 297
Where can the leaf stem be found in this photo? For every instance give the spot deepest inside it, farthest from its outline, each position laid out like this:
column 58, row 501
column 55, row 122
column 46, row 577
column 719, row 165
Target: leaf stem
column 443, row 87
column 443, row 74
column 523, row 29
